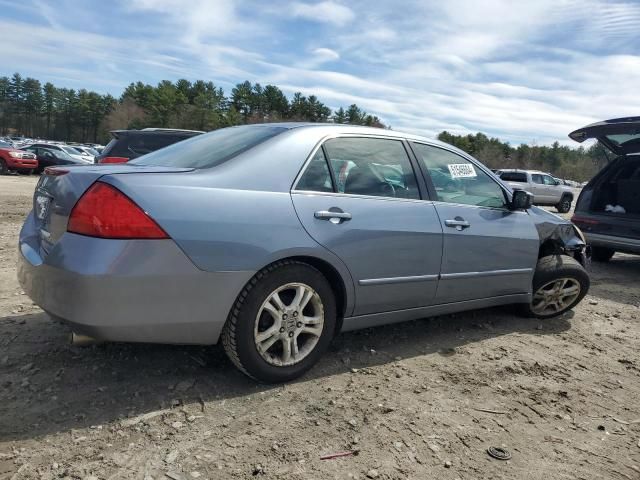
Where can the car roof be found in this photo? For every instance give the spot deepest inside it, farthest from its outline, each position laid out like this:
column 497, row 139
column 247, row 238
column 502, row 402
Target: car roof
column 524, row 171
column 154, row 131
column 327, row 129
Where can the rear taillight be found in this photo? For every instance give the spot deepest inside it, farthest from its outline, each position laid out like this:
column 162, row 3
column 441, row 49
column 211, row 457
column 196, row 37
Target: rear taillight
column 55, row 172
column 104, row 211
column 113, row 160
column 585, row 221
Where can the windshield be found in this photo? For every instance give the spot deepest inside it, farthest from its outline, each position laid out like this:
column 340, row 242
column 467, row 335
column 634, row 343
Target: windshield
column 210, row 149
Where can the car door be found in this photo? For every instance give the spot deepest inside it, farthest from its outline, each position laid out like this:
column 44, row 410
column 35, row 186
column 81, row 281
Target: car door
column 552, row 189
column 488, row 250
column 359, row 198
column 42, row 163
column 46, row 158
column 540, row 194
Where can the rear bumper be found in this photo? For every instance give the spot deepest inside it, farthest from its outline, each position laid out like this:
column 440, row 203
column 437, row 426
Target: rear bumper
column 127, row 290
column 621, row 244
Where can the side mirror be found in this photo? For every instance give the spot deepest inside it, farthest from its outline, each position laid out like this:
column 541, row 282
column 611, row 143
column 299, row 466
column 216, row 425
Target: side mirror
column 521, row 200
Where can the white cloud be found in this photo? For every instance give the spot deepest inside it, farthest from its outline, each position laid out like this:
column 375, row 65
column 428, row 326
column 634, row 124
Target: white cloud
column 200, row 17
column 531, row 72
column 326, row 54
column 323, row 12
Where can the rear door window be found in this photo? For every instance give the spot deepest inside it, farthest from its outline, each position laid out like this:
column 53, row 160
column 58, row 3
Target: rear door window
column 372, row 166
column 316, row 177
column 537, row 178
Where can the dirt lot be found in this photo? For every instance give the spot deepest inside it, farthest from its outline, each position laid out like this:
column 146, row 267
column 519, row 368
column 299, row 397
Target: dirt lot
column 418, row 400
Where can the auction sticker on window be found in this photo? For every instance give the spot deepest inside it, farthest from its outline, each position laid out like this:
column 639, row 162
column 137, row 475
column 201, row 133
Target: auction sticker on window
column 462, row 170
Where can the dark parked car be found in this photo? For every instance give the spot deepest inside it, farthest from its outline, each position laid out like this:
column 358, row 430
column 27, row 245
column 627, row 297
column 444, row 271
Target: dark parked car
column 68, row 149
column 49, row 157
column 129, row 144
column 608, row 209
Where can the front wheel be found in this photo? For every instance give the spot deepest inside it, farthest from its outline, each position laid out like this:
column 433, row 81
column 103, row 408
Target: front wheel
column 281, row 323
column 4, row 170
column 565, row 205
column 559, row 283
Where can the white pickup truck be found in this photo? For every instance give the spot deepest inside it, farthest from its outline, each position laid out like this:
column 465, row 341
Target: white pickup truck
column 546, row 190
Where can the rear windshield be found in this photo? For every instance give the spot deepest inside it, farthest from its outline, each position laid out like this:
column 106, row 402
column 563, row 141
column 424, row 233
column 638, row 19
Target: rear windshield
column 625, row 139
column 514, row 177
column 210, row 149
column 134, row 145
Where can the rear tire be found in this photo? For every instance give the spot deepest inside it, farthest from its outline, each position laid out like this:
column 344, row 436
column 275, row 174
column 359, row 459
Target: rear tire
column 565, row 204
column 303, row 332
column 559, row 284
column 4, row 170
column 601, row 254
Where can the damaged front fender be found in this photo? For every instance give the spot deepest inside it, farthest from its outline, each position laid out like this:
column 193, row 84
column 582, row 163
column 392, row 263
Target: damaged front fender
column 559, row 236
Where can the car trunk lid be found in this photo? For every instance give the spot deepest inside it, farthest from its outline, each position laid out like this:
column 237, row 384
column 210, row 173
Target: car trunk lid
column 620, row 135
column 59, row 188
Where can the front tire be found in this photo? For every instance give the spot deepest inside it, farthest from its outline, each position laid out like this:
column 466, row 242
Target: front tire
column 559, row 284
column 565, row 204
column 4, row 170
column 601, row 254
column 281, row 323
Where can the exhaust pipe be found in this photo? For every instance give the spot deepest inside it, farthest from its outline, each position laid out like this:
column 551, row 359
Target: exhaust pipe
column 80, row 340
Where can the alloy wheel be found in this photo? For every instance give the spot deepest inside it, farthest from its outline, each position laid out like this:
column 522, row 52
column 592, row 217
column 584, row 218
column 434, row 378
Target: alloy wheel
column 555, row 296
column 289, row 324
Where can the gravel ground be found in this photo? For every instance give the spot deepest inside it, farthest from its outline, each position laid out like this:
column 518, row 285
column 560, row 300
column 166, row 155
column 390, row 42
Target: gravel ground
column 423, row 399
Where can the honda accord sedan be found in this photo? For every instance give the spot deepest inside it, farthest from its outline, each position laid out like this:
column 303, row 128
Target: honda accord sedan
column 273, row 238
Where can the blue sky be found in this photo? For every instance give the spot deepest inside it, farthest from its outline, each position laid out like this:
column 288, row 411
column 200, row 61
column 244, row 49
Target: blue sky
column 525, row 71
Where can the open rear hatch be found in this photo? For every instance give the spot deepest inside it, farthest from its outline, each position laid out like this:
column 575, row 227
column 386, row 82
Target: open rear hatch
column 610, row 203
column 620, row 135
column 59, row 188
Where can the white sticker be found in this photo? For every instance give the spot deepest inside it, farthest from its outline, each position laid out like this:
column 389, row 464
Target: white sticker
column 462, row 170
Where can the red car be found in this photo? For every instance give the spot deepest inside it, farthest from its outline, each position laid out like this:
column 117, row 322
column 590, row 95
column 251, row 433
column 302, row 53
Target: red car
column 19, row 160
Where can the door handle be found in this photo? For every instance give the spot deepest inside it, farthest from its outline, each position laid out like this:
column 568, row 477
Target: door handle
column 333, row 217
column 458, row 223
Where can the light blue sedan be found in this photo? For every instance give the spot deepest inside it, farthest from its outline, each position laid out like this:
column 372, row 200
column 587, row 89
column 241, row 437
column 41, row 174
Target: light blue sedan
column 273, row 238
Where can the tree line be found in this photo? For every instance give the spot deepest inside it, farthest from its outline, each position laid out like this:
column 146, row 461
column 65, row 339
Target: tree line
column 29, row 108
column 579, row 164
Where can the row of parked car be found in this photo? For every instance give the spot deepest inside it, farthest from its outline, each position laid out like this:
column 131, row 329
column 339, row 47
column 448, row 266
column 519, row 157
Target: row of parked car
column 28, row 156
